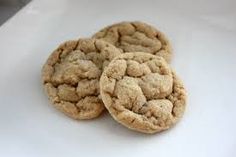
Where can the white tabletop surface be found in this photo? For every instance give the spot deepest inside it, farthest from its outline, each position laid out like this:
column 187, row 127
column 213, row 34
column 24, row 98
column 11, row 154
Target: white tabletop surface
column 203, row 35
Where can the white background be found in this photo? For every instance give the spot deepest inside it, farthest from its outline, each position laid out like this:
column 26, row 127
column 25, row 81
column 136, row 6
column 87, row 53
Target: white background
column 203, row 35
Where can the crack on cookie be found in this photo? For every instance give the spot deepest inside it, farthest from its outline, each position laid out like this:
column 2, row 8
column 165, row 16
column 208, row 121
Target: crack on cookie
column 133, row 25
column 134, row 44
column 133, row 120
column 76, row 46
column 118, row 43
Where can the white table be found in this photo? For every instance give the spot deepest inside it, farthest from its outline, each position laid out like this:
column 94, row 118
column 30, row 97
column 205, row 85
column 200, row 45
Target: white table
column 203, row 35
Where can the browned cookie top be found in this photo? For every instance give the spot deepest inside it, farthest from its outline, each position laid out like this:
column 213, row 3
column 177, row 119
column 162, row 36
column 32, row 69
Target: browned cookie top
column 136, row 37
column 71, row 76
column 142, row 92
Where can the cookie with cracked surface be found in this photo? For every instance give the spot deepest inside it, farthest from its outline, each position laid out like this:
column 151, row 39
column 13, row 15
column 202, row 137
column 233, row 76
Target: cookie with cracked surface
column 71, row 76
column 136, row 37
column 142, row 92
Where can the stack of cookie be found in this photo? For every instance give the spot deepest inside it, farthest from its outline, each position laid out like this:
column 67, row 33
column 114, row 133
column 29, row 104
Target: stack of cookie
column 123, row 68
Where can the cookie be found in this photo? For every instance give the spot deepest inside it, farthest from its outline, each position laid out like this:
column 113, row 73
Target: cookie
column 142, row 92
column 71, row 76
column 136, row 37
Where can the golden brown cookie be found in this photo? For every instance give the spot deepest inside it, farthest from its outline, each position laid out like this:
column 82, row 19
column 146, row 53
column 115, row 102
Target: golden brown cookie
column 71, row 76
column 136, row 37
column 142, row 92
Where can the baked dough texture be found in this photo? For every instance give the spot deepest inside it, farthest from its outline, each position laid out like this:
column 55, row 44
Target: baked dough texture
column 71, row 76
column 136, row 37
column 142, row 92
